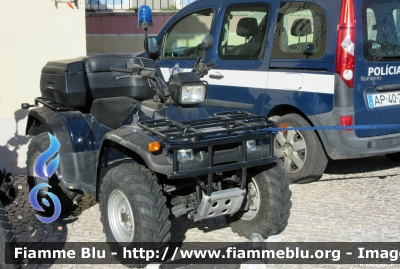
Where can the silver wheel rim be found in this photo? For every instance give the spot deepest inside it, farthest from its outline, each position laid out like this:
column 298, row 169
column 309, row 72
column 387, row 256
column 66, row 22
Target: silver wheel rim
column 120, row 217
column 253, row 194
column 290, row 147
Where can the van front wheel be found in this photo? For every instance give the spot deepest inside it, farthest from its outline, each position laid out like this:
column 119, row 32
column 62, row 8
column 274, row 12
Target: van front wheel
column 302, row 156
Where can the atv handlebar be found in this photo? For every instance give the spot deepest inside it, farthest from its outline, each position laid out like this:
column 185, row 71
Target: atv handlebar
column 136, row 70
column 201, row 69
column 122, row 70
column 209, row 65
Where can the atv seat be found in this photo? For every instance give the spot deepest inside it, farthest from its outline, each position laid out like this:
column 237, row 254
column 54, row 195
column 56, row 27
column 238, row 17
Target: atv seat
column 103, row 83
column 114, row 111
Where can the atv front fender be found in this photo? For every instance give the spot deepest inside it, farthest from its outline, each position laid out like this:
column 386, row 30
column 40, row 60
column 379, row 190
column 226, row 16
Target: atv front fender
column 132, row 142
column 136, row 141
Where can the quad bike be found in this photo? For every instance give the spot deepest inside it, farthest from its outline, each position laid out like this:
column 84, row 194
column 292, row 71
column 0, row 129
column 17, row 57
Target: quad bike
column 8, row 193
column 149, row 152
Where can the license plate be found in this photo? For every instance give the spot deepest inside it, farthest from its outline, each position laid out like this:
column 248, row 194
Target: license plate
column 383, row 99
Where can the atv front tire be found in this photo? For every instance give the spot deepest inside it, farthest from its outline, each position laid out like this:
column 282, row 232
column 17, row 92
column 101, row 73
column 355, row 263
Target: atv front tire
column 133, row 207
column 269, row 204
column 69, row 199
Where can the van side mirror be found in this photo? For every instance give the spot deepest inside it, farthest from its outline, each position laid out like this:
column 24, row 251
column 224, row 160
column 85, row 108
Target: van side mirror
column 207, row 42
column 151, row 46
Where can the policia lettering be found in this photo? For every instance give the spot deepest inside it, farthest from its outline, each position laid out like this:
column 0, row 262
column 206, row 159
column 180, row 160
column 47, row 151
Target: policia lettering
column 376, row 73
column 382, row 71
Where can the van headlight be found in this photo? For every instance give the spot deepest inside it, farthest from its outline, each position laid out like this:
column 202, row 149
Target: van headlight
column 187, row 88
column 184, row 155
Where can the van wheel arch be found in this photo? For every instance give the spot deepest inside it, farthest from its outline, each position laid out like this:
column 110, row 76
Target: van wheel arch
column 281, row 110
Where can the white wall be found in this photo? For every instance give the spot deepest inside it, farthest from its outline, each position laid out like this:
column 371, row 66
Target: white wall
column 31, row 34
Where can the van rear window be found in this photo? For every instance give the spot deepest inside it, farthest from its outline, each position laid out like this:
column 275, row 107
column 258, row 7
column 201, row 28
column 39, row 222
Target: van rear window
column 381, row 30
column 301, row 31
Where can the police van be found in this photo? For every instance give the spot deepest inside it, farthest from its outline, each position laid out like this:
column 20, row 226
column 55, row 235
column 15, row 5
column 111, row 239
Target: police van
column 300, row 63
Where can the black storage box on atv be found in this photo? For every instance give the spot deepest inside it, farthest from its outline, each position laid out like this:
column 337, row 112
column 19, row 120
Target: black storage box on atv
column 72, row 82
column 64, row 82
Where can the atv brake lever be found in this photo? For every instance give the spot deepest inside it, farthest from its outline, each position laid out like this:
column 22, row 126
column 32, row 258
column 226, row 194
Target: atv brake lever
column 127, row 76
column 210, row 65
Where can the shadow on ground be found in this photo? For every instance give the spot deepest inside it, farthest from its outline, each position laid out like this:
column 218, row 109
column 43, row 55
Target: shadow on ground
column 338, row 169
column 29, row 229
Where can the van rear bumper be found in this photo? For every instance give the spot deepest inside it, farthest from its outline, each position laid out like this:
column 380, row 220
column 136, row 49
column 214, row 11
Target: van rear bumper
column 347, row 145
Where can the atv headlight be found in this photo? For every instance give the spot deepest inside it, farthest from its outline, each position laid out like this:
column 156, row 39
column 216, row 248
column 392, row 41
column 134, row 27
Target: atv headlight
column 187, row 88
column 185, row 155
column 192, row 94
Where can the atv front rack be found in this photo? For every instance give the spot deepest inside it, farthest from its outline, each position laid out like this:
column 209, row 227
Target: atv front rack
column 222, row 123
column 233, row 129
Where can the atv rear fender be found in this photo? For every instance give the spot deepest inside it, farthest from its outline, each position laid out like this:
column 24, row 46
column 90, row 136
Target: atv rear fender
column 78, row 144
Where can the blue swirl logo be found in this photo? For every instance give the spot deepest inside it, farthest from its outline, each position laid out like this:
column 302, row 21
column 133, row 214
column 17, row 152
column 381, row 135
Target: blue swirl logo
column 45, row 171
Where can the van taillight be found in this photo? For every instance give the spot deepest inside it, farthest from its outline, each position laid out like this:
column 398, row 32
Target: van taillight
column 346, row 43
column 346, row 121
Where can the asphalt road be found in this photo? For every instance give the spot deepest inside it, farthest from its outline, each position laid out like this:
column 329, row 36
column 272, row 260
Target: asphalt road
column 355, row 201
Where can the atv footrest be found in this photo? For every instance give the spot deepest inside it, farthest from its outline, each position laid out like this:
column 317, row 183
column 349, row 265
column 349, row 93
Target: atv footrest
column 219, row 203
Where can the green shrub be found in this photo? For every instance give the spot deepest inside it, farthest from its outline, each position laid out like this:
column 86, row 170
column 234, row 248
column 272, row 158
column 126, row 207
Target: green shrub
column 132, row 9
column 90, row 10
column 170, row 8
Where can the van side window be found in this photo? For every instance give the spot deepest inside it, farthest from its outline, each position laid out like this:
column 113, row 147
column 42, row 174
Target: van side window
column 381, row 30
column 183, row 39
column 243, row 32
column 301, row 31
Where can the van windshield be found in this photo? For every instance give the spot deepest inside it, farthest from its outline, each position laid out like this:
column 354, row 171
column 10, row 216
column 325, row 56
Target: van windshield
column 381, row 30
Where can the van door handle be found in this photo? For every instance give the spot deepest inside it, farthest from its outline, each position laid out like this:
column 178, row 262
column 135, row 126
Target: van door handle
column 216, row 75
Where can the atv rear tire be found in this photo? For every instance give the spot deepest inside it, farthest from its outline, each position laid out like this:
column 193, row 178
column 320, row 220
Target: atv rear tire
column 269, row 209
column 301, row 152
column 133, row 207
column 69, row 199
column 7, row 235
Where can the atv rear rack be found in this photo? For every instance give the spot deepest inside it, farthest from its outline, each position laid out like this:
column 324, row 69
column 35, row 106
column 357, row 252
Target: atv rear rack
column 226, row 128
column 50, row 104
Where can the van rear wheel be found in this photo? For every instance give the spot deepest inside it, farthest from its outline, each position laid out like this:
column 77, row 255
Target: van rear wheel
column 302, row 156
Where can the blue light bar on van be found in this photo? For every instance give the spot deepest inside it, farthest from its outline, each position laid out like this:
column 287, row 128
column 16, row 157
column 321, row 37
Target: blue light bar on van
column 145, row 18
